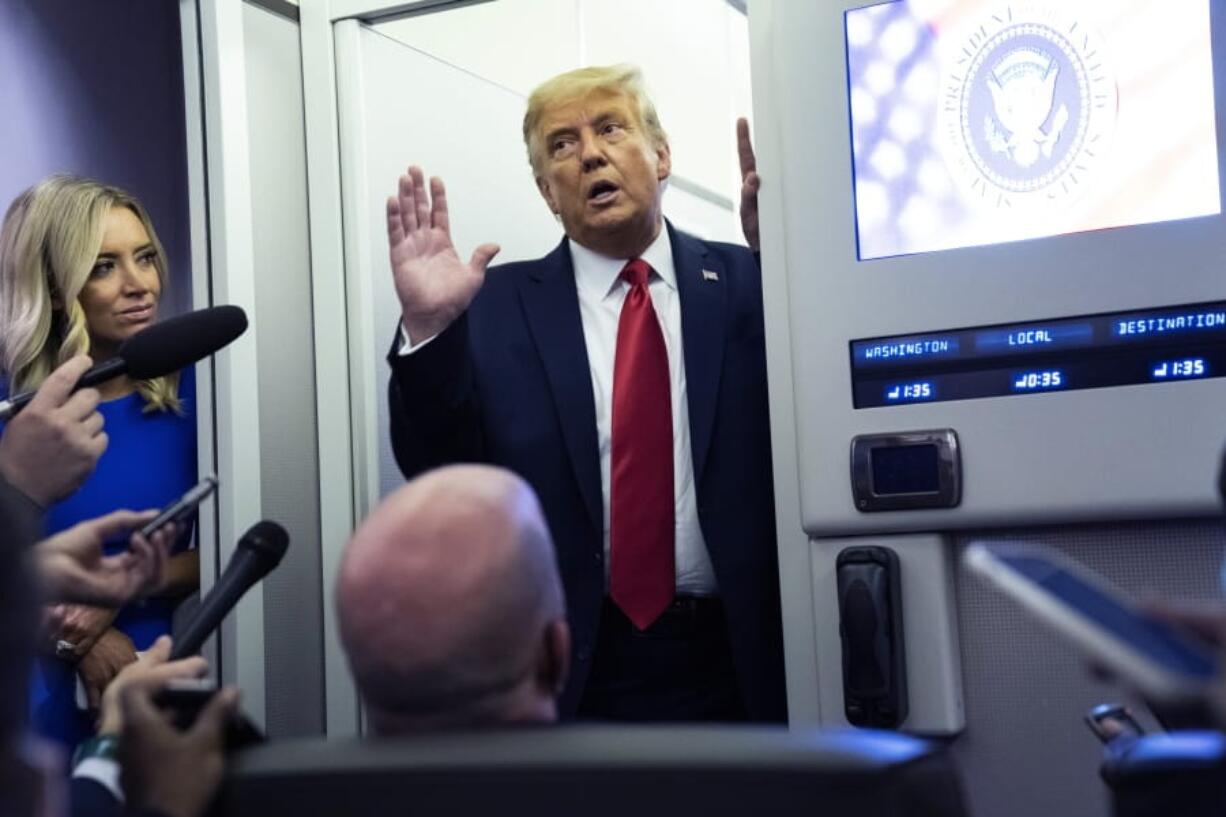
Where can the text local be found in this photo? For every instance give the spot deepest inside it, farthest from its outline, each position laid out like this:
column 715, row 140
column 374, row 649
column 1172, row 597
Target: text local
column 1030, row 337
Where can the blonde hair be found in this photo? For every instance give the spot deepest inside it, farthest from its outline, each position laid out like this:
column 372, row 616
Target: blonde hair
column 577, row 84
column 48, row 244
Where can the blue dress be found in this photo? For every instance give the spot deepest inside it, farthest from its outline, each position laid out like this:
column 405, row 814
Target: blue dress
column 150, row 460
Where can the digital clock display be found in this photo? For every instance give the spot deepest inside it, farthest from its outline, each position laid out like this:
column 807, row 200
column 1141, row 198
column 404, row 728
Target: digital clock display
column 1187, row 367
column 907, row 392
column 1038, row 381
column 1065, row 354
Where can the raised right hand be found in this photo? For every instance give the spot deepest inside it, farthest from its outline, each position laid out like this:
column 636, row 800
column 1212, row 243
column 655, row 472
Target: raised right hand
column 51, row 447
column 433, row 284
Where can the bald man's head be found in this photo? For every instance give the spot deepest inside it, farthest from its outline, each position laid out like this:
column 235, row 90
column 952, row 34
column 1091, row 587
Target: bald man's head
column 450, row 606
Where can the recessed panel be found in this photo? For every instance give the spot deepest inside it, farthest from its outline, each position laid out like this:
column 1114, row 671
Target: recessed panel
column 906, row 470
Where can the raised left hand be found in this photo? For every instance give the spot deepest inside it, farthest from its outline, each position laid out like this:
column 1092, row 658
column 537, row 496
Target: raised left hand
column 750, row 182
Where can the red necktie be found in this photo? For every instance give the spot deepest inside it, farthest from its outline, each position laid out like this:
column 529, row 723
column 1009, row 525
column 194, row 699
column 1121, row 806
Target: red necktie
column 641, row 573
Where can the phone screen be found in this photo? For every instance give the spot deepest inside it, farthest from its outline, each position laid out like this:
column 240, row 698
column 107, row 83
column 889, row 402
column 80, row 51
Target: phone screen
column 1158, row 641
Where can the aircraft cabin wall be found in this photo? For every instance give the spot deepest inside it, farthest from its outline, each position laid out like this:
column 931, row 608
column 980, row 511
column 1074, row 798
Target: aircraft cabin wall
column 119, row 121
column 149, row 117
column 856, row 261
column 1019, row 692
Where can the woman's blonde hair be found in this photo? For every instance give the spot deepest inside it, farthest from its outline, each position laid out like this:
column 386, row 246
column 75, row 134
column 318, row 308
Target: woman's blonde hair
column 49, row 243
column 613, row 79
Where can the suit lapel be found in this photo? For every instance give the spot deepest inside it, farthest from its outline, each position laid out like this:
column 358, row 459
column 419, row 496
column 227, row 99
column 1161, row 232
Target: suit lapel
column 551, row 304
column 701, row 288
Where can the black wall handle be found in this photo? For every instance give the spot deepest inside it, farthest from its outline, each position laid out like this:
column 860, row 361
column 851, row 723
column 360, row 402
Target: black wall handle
column 871, row 630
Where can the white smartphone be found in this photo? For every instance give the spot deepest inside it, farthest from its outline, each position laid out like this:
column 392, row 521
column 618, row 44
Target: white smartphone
column 1161, row 661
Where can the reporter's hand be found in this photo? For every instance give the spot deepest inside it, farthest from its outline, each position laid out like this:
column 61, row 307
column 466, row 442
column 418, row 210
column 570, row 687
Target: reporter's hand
column 1205, row 619
column 53, row 444
column 164, row 770
column 73, row 568
column 82, row 625
column 434, row 286
column 52, row 622
column 149, row 668
column 750, row 183
column 103, row 663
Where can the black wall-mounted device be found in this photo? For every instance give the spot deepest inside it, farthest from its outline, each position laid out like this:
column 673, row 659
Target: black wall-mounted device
column 906, row 470
column 871, row 629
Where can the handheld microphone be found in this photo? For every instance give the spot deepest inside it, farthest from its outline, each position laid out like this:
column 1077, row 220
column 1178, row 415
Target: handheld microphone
column 258, row 552
column 164, row 347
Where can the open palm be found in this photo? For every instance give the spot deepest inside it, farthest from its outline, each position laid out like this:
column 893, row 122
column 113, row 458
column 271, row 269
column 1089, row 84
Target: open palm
column 434, row 286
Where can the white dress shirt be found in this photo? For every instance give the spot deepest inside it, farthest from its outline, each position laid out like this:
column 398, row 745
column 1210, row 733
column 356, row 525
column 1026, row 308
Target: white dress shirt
column 601, row 293
column 104, row 771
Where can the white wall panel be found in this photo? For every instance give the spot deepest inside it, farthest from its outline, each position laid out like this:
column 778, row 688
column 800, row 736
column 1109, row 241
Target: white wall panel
column 516, row 43
column 694, row 55
column 475, row 147
column 681, row 45
column 288, row 452
column 701, row 216
column 236, row 367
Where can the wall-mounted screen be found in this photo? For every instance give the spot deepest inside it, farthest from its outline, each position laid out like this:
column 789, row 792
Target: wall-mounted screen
column 979, row 122
column 1090, row 352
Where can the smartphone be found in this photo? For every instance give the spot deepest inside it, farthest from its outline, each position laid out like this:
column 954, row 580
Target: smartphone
column 184, row 698
column 183, row 507
column 1161, row 661
column 1113, row 721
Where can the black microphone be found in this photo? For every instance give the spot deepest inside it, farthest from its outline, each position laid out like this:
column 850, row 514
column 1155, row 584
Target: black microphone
column 163, row 348
column 258, row 552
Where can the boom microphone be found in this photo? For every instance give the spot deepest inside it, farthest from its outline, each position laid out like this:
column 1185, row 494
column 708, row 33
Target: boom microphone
column 164, row 347
column 258, row 552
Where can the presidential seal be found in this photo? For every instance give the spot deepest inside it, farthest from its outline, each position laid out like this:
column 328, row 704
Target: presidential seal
column 1029, row 105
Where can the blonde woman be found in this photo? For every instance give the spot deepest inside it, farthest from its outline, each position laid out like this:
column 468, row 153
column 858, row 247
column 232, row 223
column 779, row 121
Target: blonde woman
column 81, row 271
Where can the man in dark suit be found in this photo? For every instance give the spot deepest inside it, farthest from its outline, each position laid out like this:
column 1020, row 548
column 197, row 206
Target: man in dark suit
column 624, row 377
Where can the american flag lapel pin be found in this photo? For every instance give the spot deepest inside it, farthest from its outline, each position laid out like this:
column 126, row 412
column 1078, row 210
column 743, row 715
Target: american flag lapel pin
column 709, row 275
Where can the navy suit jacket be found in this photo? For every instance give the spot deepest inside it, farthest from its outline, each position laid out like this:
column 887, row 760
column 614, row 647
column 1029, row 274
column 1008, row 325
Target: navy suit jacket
column 508, row 383
column 89, row 798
